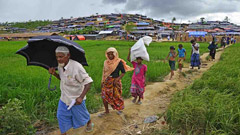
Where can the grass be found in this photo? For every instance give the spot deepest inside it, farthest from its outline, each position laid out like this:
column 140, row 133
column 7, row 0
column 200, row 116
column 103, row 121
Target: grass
column 211, row 105
column 29, row 83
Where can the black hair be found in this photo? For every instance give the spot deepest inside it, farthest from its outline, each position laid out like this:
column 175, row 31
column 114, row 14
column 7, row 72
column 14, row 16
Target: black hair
column 172, row 48
column 192, row 41
column 180, row 45
column 139, row 58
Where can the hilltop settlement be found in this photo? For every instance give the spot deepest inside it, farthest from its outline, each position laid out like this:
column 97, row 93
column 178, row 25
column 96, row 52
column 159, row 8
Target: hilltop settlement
column 122, row 27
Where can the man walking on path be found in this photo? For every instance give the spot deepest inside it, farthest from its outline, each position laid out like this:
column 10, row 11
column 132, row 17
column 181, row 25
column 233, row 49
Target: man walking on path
column 74, row 85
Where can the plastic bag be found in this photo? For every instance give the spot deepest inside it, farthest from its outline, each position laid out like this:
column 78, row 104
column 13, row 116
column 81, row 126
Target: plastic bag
column 147, row 40
column 139, row 49
column 72, row 104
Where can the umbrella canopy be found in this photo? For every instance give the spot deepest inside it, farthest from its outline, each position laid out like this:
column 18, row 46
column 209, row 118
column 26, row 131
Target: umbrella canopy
column 40, row 51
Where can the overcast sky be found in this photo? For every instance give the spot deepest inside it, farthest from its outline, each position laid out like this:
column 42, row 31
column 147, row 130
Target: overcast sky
column 183, row 10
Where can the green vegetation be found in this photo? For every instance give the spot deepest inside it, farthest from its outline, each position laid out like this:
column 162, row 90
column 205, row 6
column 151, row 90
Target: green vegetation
column 129, row 27
column 211, row 105
column 13, row 120
column 29, row 83
column 31, row 25
column 86, row 30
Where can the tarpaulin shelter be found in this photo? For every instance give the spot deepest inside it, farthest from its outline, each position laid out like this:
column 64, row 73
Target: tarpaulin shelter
column 142, row 24
column 197, row 33
column 74, row 37
column 144, row 28
column 69, row 37
column 79, row 37
column 227, row 33
column 89, row 23
column 110, row 26
column 105, row 32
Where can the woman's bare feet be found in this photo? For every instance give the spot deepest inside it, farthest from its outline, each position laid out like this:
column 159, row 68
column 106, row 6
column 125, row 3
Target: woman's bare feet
column 134, row 100
column 119, row 112
column 103, row 114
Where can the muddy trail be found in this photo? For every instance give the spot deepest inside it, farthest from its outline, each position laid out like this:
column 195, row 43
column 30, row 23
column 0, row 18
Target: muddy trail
column 156, row 100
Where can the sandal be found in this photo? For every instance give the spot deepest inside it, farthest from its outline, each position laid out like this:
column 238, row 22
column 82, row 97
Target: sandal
column 139, row 102
column 87, row 129
column 102, row 114
column 134, row 100
column 119, row 112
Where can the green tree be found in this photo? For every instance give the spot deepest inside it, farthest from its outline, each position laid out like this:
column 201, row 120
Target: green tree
column 86, row 30
column 31, row 25
column 173, row 27
column 129, row 27
column 226, row 19
column 174, row 19
column 202, row 20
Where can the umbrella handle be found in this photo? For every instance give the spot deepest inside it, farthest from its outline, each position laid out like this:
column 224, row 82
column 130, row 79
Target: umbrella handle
column 49, row 84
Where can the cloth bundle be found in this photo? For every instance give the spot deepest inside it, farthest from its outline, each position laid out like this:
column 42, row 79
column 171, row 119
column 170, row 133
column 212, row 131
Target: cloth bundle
column 139, row 49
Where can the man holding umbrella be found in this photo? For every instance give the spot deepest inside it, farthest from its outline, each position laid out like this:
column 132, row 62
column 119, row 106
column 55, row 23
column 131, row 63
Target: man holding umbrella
column 74, row 85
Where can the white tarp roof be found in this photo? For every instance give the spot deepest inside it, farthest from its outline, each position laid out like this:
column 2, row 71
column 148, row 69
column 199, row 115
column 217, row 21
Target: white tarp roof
column 105, row 32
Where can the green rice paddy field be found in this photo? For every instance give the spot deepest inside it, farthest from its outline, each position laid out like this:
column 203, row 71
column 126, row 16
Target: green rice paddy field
column 211, row 106
column 29, row 83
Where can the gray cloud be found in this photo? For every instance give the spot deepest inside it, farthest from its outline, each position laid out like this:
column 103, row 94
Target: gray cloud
column 24, row 10
column 114, row 1
column 182, row 8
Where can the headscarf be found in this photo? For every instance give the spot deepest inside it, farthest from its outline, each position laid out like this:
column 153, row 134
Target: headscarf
column 111, row 65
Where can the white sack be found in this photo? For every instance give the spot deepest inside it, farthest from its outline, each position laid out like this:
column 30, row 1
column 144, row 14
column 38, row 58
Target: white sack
column 139, row 49
column 147, row 40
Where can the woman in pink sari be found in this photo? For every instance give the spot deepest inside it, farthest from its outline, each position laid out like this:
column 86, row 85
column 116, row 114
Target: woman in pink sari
column 138, row 79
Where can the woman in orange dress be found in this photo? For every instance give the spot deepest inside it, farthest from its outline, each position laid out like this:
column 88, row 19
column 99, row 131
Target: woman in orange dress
column 111, row 81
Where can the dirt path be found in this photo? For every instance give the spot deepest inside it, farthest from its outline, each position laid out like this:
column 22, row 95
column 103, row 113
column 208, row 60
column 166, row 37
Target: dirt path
column 156, row 100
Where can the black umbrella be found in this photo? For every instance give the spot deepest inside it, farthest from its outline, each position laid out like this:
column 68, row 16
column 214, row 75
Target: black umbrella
column 40, row 51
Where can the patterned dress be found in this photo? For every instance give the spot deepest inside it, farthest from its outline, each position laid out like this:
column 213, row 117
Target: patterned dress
column 111, row 93
column 138, row 80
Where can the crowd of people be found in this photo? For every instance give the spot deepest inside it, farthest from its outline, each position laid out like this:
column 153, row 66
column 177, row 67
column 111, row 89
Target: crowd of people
column 227, row 40
column 75, row 81
column 181, row 54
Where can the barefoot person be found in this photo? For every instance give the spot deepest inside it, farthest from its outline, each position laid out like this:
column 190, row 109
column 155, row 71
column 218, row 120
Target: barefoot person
column 111, row 81
column 74, row 85
column 171, row 55
column 138, row 79
column 181, row 56
column 195, row 56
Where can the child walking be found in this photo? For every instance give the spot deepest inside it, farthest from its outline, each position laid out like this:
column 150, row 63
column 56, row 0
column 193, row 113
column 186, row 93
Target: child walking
column 181, row 54
column 138, row 79
column 171, row 55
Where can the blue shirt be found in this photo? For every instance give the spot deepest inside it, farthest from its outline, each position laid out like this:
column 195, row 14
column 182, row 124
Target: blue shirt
column 181, row 52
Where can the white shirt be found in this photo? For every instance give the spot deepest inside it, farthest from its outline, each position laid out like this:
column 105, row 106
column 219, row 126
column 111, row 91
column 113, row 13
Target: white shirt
column 73, row 80
column 194, row 50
